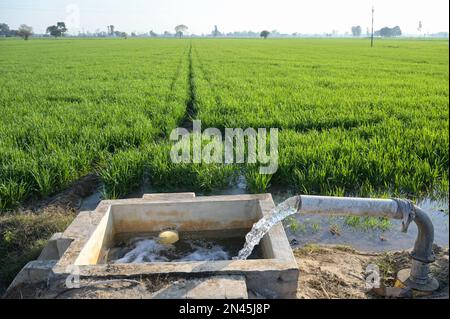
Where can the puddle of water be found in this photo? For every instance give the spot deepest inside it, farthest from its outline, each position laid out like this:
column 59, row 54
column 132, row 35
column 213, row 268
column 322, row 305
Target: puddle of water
column 192, row 247
column 90, row 203
column 313, row 229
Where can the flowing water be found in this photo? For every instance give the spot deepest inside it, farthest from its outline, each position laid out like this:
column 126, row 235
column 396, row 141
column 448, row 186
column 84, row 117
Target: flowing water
column 262, row 227
column 193, row 246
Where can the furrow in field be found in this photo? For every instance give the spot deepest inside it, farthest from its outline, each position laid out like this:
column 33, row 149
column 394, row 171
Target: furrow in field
column 191, row 105
column 210, row 88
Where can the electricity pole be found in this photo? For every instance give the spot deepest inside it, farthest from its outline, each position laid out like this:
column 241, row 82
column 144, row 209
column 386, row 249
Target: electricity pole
column 371, row 38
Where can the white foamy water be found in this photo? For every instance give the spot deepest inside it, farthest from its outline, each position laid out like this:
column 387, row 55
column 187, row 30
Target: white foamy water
column 262, row 227
column 202, row 253
column 149, row 251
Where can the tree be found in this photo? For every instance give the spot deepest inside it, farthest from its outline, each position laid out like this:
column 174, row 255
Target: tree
column 180, row 30
column 57, row 30
column 356, row 31
column 153, row 34
column 53, row 31
column 389, row 32
column 4, row 29
column 111, row 29
column 62, row 27
column 264, row 34
column 396, row 31
column 216, row 32
column 25, row 31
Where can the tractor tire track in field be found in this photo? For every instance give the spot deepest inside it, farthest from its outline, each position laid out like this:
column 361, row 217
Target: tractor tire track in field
column 206, row 76
column 191, row 108
column 177, row 72
column 173, row 84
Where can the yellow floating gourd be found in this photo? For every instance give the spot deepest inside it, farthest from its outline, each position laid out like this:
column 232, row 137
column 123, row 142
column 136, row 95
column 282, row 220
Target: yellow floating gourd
column 168, row 237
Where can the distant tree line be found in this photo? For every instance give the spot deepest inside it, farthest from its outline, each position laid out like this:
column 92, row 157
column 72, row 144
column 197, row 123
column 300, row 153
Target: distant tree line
column 384, row 32
column 24, row 31
column 60, row 30
column 112, row 32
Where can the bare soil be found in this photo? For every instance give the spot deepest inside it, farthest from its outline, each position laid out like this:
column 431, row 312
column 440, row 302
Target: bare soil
column 340, row 273
column 326, row 272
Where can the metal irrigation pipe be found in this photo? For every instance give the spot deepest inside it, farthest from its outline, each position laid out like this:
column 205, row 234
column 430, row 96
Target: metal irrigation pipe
column 418, row 276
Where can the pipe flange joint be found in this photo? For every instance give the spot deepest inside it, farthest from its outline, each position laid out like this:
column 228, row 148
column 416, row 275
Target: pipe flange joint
column 406, row 209
column 429, row 260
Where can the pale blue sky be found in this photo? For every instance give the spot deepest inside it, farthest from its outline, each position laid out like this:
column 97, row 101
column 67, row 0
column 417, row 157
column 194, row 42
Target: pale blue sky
column 287, row 16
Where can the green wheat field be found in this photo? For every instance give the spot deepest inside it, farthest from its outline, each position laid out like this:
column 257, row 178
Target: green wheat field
column 353, row 120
